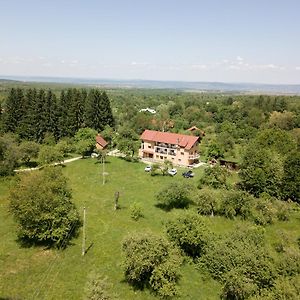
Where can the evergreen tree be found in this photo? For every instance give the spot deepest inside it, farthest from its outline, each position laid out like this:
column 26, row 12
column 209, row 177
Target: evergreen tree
column 98, row 112
column 39, row 120
column 51, row 114
column 77, row 109
column 28, row 122
column 13, row 110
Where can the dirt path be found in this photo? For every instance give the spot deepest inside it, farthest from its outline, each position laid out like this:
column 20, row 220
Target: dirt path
column 54, row 164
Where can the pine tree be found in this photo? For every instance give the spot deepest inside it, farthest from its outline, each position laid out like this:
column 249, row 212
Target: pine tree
column 51, row 114
column 98, row 111
column 28, row 123
column 13, row 110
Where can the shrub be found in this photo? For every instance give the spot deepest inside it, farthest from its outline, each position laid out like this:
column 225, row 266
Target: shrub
column 151, row 261
column 41, row 204
column 190, row 232
column 175, row 195
column 96, row 287
column 243, row 249
column 237, row 286
column 206, row 201
column 237, row 203
column 215, row 177
column 136, row 211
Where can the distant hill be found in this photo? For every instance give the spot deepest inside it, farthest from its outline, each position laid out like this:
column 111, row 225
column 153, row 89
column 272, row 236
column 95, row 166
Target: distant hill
column 220, row 87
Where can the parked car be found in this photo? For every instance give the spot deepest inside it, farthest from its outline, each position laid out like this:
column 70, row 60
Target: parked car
column 148, row 169
column 172, row 172
column 188, row 174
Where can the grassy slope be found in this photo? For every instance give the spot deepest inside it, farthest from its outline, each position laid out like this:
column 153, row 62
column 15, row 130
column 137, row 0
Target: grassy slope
column 36, row 273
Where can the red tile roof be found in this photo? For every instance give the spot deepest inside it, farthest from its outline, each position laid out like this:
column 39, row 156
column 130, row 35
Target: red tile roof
column 185, row 141
column 101, row 141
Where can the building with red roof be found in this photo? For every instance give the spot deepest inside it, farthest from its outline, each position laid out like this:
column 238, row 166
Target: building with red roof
column 101, row 143
column 180, row 149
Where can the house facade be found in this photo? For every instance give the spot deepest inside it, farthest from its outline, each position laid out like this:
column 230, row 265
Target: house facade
column 180, row 149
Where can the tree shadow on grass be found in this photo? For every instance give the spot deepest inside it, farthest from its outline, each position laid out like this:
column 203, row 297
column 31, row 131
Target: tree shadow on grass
column 26, row 242
column 169, row 207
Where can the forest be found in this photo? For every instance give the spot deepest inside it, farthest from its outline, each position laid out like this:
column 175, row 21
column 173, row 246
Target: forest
column 238, row 228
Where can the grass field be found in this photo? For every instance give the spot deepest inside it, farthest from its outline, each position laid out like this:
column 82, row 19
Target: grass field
column 38, row 273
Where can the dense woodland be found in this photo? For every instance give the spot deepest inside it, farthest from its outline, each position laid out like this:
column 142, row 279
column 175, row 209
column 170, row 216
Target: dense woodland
column 259, row 132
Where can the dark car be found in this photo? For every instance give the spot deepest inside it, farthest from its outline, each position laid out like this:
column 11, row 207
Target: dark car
column 188, row 174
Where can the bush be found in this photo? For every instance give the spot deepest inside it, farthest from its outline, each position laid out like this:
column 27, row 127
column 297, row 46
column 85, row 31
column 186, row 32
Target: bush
column 151, row 261
column 215, row 177
column 237, row 203
column 96, row 288
column 41, row 204
column 136, row 211
column 264, row 212
column 243, row 249
column 49, row 155
column 206, row 201
column 289, row 264
column 190, row 232
column 237, row 286
column 175, row 195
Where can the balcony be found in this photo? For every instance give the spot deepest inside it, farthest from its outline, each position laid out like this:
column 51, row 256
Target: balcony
column 194, row 156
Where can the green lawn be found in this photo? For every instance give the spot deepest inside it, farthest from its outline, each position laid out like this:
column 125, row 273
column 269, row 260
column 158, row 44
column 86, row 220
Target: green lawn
column 37, row 273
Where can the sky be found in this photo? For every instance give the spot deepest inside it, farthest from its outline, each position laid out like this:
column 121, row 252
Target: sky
column 184, row 40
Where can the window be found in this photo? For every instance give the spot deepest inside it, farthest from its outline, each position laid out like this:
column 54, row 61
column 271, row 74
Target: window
column 161, row 157
column 182, row 153
column 149, row 146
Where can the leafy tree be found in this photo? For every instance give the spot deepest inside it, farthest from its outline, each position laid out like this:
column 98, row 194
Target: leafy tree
column 242, row 252
column 41, row 203
column 206, row 201
column 65, row 146
column 190, row 232
column 237, row 286
column 291, row 177
column 154, row 169
column 285, row 288
column 276, row 140
column 29, row 150
column 49, row 155
column 9, row 155
column 175, row 195
column 261, row 171
column 166, row 166
column 128, row 141
column 85, row 140
column 237, row 203
column 283, row 120
column 150, row 260
column 215, row 177
column 215, row 150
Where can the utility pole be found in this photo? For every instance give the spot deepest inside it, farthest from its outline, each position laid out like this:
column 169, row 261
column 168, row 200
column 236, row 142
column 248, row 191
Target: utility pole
column 83, row 233
column 103, row 175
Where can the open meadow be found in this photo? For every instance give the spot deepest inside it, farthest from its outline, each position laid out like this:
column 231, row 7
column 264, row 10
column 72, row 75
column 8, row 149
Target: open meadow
column 39, row 273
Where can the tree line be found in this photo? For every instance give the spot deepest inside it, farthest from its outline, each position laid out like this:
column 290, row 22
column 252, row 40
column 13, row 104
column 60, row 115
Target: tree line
column 34, row 114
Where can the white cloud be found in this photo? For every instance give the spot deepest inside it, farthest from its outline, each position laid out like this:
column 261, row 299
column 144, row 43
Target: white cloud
column 238, row 58
column 297, row 68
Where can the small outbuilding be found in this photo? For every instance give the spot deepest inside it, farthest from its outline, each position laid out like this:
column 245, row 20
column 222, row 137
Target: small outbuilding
column 101, row 143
